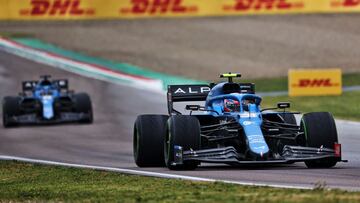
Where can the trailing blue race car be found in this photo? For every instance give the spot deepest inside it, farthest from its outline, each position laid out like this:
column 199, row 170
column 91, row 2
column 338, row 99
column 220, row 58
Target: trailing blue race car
column 232, row 128
column 46, row 102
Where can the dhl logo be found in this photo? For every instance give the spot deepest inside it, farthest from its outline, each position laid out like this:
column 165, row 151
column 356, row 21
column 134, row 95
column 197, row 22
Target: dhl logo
column 246, row 5
column 56, row 7
column 305, row 83
column 158, row 7
column 315, row 82
column 345, row 3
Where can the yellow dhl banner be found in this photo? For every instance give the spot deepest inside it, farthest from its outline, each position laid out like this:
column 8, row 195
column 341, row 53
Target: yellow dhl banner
column 315, row 82
column 93, row 9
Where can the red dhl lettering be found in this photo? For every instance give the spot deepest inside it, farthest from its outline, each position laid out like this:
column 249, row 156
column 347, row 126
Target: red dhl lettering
column 245, row 5
column 345, row 3
column 158, row 6
column 351, row 2
column 303, row 83
column 56, row 7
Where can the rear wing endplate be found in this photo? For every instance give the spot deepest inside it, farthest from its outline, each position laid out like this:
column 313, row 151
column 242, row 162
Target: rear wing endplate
column 29, row 85
column 62, row 84
column 183, row 93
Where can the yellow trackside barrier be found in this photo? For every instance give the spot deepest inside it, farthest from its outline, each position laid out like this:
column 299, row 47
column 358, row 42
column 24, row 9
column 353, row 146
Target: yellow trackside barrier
column 315, row 82
column 100, row 9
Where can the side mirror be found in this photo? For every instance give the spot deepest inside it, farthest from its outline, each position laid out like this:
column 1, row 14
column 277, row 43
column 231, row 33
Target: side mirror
column 192, row 107
column 283, row 105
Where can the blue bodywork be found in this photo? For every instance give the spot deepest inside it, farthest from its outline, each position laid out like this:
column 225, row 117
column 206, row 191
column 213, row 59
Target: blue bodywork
column 45, row 102
column 234, row 129
column 46, row 94
column 250, row 120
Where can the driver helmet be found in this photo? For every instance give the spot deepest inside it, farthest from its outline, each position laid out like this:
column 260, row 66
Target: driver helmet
column 231, row 105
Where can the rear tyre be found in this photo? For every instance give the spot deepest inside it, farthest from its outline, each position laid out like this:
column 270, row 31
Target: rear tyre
column 11, row 108
column 181, row 131
column 148, row 140
column 320, row 130
column 83, row 105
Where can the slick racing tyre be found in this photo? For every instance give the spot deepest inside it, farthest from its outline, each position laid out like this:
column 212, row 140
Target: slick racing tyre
column 182, row 131
column 10, row 107
column 320, row 130
column 148, row 140
column 83, row 105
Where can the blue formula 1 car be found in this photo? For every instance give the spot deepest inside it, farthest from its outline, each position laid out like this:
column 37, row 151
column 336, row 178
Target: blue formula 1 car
column 231, row 128
column 46, row 102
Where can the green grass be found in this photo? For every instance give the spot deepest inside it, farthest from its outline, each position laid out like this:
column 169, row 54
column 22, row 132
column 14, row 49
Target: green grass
column 27, row 182
column 281, row 83
column 346, row 106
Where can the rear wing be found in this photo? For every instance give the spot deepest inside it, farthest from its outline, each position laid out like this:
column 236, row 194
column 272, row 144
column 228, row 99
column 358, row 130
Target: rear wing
column 184, row 93
column 181, row 93
column 62, row 84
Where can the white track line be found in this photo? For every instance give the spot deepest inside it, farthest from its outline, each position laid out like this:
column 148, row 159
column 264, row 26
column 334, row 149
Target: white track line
column 146, row 173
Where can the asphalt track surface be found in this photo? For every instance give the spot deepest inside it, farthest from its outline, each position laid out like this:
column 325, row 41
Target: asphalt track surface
column 108, row 142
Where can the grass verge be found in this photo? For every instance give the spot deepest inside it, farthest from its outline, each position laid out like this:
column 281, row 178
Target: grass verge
column 344, row 107
column 28, row 182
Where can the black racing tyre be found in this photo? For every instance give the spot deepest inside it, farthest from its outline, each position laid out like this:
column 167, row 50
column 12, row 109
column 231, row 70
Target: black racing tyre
column 181, row 131
column 83, row 105
column 148, row 140
column 320, row 130
column 10, row 107
column 289, row 118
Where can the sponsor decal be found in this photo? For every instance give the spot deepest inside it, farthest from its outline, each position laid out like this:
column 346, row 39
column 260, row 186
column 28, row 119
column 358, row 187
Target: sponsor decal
column 248, row 123
column 152, row 7
column 345, row 3
column 261, row 5
column 191, row 90
column 249, row 115
column 326, row 82
column 254, row 139
column 315, row 82
column 56, row 8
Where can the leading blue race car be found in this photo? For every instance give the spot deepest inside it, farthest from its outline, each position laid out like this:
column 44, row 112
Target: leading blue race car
column 231, row 128
column 46, row 102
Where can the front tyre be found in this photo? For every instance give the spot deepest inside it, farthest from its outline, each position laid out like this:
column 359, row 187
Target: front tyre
column 148, row 139
column 11, row 108
column 83, row 105
column 320, row 130
column 181, row 131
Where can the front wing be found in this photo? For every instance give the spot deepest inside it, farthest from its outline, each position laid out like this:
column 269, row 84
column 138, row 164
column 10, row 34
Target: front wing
column 64, row 117
column 229, row 155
